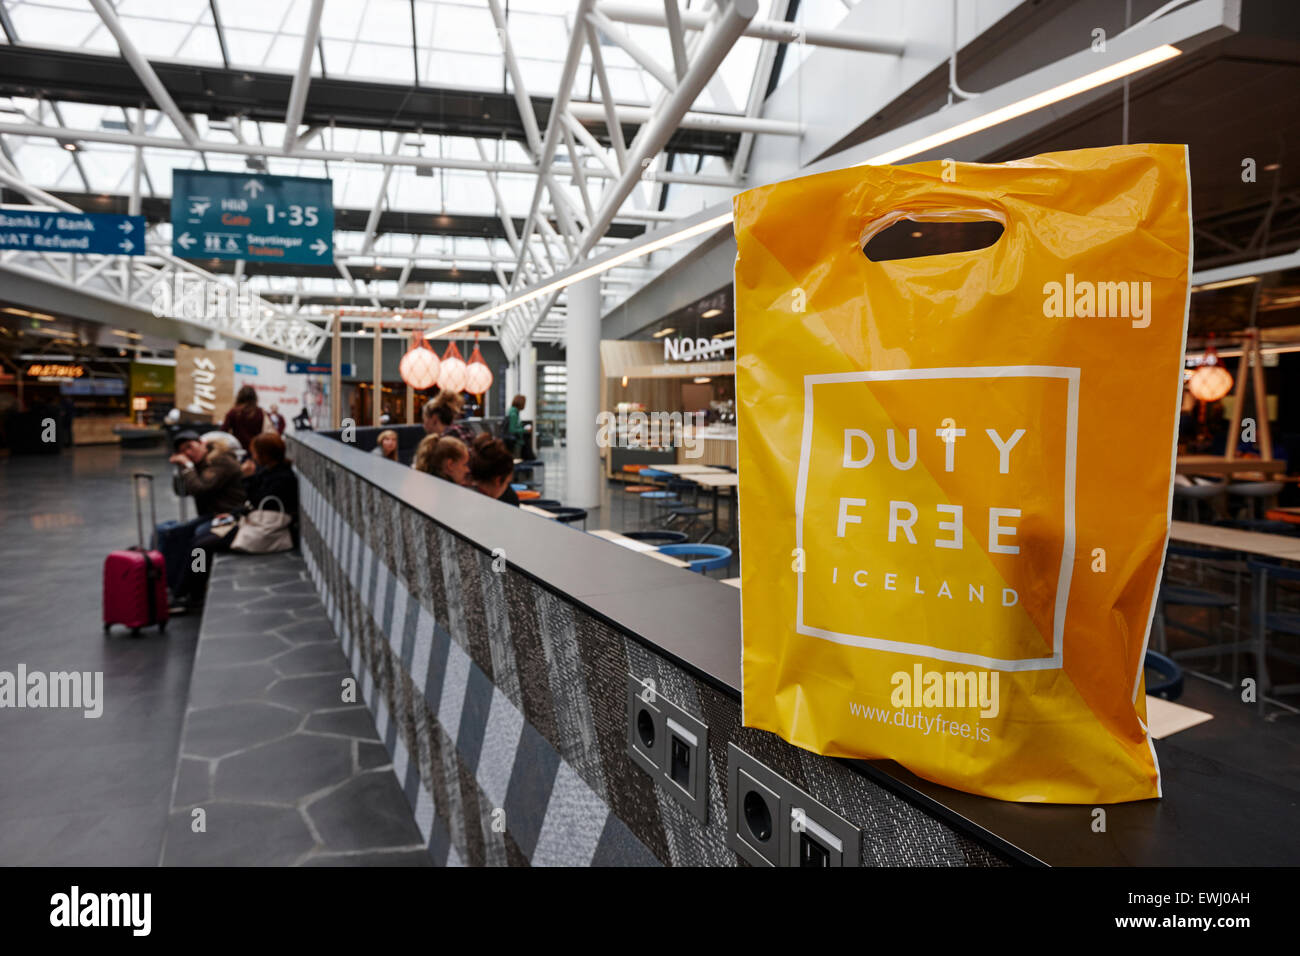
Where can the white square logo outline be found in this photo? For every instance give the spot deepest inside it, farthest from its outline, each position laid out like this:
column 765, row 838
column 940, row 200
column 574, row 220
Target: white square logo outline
column 1071, row 377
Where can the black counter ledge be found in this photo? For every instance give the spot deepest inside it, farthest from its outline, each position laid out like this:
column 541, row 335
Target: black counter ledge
column 1217, row 810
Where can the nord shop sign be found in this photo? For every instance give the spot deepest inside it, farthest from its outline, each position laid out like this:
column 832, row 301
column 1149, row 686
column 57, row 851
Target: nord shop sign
column 682, row 349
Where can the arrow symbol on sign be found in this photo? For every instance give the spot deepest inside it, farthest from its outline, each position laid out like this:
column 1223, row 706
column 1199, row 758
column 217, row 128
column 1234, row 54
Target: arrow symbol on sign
column 126, row 227
column 185, row 240
column 319, row 247
column 126, row 245
column 253, row 187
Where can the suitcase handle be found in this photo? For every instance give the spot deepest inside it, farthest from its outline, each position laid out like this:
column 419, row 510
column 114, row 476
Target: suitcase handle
column 153, row 513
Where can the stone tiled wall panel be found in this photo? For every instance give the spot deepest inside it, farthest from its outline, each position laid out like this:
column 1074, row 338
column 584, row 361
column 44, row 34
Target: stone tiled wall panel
column 502, row 703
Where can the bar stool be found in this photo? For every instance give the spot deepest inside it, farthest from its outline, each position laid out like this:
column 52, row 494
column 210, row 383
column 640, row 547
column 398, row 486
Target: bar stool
column 1254, row 492
column 1264, row 621
column 1195, row 595
column 701, row 557
column 660, row 499
column 567, row 515
column 1196, row 491
column 1168, row 682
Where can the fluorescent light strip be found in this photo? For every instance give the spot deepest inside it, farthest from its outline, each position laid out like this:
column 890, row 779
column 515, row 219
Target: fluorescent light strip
column 594, row 269
column 1225, row 284
column 1029, row 104
column 1011, row 111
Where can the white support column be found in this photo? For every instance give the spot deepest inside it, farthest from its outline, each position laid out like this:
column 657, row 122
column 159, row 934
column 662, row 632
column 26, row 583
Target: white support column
column 527, row 361
column 582, row 403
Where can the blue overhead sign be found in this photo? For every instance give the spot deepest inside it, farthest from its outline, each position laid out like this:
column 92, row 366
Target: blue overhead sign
column 252, row 216
column 104, row 234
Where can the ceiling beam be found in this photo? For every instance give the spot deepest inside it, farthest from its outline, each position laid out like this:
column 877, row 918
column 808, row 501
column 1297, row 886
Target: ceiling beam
column 302, row 79
column 145, row 71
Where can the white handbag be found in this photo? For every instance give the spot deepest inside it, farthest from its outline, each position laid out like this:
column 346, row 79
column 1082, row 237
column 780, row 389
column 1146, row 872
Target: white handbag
column 263, row 531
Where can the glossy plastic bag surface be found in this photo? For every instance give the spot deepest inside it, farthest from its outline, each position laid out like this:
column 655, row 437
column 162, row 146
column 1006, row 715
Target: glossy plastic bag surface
column 956, row 470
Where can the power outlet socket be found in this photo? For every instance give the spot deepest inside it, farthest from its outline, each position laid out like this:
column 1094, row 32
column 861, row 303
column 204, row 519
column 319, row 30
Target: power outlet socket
column 771, row 822
column 669, row 744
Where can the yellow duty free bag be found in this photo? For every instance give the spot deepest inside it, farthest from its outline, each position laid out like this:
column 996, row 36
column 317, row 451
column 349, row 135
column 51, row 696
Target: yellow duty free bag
column 956, row 470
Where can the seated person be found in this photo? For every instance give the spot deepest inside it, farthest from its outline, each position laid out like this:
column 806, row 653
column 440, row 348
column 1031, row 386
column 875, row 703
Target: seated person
column 269, row 483
column 445, row 457
column 211, row 475
column 491, row 466
column 386, row 445
column 440, row 416
column 268, row 474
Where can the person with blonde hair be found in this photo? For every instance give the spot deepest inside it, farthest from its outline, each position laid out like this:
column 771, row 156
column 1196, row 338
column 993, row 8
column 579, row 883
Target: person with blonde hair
column 440, row 416
column 386, row 445
column 443, row 456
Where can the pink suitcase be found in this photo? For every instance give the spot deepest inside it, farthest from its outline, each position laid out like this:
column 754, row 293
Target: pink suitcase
column 135, row 580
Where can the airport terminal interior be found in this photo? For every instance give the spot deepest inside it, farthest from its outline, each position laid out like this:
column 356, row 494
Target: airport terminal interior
column 816, row 433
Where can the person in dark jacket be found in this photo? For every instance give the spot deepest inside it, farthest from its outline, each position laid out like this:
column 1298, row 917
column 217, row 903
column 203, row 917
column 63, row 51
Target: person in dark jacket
column 271, row 478
column 209, row 473
column 269, row 483
column 246, row 420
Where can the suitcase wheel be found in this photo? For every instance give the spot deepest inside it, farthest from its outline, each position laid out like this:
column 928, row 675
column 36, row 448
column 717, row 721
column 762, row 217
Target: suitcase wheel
column 107, row 627
column 162, row 628
column 135, row 632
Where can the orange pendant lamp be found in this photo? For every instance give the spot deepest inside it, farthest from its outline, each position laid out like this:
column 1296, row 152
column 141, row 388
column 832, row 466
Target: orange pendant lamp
column 419, row 367
column 451, row 373
column 478, row 377
column 1210, row 381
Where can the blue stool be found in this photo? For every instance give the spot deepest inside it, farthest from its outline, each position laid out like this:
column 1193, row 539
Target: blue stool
column 1164, row 678
column 700, row 557
column 517, row 486
column 662, row 537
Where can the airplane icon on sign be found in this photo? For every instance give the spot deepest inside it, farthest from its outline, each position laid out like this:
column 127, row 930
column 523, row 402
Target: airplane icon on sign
column 199, row 208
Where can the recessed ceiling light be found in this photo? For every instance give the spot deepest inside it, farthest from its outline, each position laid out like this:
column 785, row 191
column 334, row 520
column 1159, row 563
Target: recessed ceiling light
column 702, row 380
column 662, row 332
column 1272, row 167
column 711, row 313
column 917, row 234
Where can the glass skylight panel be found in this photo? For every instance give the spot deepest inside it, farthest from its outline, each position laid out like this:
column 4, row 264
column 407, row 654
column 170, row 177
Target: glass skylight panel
column 247, row 48
column 50, row 24
column 374, row 61
column 465, row 70
column 272, row 15
column 201, row 46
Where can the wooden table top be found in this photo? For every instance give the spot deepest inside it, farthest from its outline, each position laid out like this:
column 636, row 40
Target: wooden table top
column 1252, row 542
column 724, row 479
column 641, row 547
column 691, row 469
column 1217, row 465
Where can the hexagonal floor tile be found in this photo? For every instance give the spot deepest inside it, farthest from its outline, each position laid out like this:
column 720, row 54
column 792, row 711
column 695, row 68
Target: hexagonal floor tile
column 368, row 812
column 217, row 731
column 284, row 771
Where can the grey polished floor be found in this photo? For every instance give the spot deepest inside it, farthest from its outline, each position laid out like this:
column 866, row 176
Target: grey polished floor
column 78, row 791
